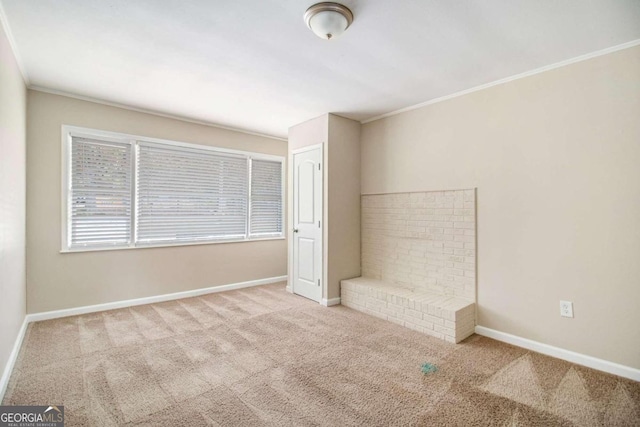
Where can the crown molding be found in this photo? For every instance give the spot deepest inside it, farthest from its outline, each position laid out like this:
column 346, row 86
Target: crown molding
column 7, row 29
column 4, row 22
column 25, row 76
column 546, row 68
column 152, row 112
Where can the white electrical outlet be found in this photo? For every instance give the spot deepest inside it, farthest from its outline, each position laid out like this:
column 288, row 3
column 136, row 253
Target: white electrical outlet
column 566, row 309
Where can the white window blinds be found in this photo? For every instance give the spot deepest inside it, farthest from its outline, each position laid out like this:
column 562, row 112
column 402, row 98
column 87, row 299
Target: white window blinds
column 100, row 193
column 123, row 191
column 266, row 198
column 186, row 194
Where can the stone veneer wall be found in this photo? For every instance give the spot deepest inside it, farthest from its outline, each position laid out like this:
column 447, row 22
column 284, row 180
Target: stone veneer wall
column 421, row 240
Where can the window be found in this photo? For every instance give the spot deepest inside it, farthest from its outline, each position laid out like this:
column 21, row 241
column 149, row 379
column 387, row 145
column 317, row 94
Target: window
column 124, row 192
column 100, row 196
column 266, row 198
column 190, row 194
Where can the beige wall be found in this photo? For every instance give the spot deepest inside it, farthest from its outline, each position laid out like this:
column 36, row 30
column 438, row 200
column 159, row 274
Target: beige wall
column 556, row 160
column 311, row 132
column 13, row 108
column 58, row 281
column 343, row 203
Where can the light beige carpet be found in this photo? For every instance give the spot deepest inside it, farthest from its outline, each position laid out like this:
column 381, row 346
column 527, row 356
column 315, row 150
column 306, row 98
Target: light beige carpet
column 261, row 356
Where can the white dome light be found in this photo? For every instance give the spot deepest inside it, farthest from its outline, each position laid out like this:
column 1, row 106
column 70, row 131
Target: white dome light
column 328, row 20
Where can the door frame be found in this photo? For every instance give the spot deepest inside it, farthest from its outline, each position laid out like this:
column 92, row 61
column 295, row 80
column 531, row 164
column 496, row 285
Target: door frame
column 292, row 153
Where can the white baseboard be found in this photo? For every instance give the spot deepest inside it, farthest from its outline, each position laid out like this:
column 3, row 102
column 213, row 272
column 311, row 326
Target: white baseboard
column 560, row 353
column 6, row 374
column 329, row 302
column 35, row 317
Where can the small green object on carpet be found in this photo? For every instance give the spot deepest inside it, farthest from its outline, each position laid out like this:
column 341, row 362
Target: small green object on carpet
column 428, row 368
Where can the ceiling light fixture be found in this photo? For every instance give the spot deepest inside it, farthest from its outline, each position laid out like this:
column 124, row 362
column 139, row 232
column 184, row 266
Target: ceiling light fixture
column 328, row 20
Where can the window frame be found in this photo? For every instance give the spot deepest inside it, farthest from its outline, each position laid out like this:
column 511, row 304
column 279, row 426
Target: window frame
column 68, row 132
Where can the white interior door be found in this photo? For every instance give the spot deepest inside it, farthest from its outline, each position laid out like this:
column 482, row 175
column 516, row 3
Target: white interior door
column 307, row 223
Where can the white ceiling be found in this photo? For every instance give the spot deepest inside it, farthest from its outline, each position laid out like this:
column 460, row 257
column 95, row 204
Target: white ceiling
column 253, row 64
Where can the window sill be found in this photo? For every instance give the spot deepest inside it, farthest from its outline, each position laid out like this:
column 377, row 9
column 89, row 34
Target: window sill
column 167, row 245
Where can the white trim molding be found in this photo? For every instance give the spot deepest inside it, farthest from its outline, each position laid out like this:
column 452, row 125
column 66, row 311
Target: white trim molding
column 8, row 369
column 550, row 67
column 36, row 317
column 56, row 314
column 561, row 353
column 151, row 112
column 4, row 23
column 330, row 302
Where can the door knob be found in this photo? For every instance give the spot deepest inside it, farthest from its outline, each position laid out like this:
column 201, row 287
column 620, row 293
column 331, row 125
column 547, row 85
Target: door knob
column 295, row 230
